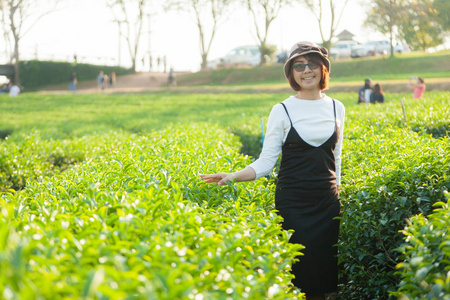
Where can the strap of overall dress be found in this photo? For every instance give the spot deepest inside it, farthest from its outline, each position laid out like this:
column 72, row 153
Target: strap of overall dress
column 287, row 113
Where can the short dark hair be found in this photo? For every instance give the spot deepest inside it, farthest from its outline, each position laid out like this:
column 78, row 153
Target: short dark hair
column 323, row 84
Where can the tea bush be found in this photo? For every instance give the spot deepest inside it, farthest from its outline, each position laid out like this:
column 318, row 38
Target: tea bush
column 114, row 191
column 390, row 173
column 426, row 269
column 34, row 157
column 134, row 220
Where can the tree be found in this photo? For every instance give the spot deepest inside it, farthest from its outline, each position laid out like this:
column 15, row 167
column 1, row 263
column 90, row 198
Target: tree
column 269, row 9
column 384, row 16
column 17, row 18
column 202, row 10
column 443, row 13
column 131, row 14
column 419, row 26
column 317, row 8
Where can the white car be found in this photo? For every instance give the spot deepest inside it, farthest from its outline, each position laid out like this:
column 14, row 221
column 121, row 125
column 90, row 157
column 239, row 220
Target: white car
column 245, row 55
column 401, row 48
column 342, row 49
column 214, row 64
column 371, row 49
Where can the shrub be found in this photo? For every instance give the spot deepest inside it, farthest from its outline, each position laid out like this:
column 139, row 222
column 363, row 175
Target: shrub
column 389, row 175
column 134, row 220
column 34, row 157
column 36, row 74
column 426, row 269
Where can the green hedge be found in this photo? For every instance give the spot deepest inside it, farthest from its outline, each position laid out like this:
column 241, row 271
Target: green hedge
column 426, row 269
column 36, row 74
column 390, row 173
column 135, row 221
column 35, row 157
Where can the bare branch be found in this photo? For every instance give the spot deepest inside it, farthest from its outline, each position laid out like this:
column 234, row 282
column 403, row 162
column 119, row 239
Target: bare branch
column 216, row 9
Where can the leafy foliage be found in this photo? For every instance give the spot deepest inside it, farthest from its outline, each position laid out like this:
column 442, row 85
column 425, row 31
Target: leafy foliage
column 104, row 205
column 390, row 174
column 425, row 271
column 420, row 25
column 33, row 158
column 127, row 223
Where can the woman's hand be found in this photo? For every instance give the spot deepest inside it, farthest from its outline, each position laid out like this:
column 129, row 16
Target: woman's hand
column 219, row 178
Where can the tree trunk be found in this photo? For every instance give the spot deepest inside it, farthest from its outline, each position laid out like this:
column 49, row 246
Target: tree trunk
column 390, row 41
column 204, row 61
column 327, row 44
column 391, row 25
column 16, row 61
column 133, row 64
column 262, row 59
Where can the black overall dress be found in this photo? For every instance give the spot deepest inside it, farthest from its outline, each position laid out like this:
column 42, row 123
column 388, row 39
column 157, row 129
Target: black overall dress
column 307, row 198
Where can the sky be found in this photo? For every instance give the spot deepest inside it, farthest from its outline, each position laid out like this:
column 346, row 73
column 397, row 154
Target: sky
column 86, row 28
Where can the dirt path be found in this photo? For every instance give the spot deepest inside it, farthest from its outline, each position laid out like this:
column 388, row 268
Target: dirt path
column 133, row 83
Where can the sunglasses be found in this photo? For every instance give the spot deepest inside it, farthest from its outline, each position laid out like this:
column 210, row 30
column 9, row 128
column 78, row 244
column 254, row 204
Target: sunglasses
column 301, row 67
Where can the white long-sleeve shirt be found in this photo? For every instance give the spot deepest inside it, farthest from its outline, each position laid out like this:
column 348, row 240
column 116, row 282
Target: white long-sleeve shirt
column 314, row 122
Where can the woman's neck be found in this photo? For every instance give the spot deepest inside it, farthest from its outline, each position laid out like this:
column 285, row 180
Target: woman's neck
column 310, row 94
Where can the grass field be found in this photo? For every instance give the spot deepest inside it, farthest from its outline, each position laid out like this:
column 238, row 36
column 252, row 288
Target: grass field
column 65, row 116
column 401, row 67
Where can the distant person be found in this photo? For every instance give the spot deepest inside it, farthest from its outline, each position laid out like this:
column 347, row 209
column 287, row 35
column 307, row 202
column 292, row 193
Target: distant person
column 418, row 87
column 158, row 62
column 171, row 79
column 164, row 63
column 73, row 81
column 112, row 80
column 105, row 81
column 151, row 63
column 377, row 95
column 362, row 91
column 101, row 81
column 14, row 90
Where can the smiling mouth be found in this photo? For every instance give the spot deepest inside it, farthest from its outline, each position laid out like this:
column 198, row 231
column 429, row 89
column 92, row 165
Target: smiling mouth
column 308, row 78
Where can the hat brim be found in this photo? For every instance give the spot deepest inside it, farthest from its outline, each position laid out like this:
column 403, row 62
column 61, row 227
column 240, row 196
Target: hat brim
column 288, row 62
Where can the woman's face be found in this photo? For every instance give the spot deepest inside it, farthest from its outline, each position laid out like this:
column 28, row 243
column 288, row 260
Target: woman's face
column 307, row 77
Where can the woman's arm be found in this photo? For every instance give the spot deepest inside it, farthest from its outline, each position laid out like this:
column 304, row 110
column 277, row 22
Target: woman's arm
column 247, row 174
column 269, row 154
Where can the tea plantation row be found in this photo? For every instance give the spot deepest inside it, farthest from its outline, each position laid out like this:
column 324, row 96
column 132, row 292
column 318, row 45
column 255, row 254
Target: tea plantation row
column 89, row 205
column 391, row 173
column 134, row 221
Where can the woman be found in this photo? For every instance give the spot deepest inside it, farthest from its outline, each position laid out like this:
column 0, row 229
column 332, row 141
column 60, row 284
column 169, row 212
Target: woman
column 418, row 88
column 377, row 95
column 307, row 129
column 73, row 81
column 367, row 92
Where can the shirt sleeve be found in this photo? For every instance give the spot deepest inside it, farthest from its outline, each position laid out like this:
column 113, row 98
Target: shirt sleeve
column 273, row 141
column 338, row 149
